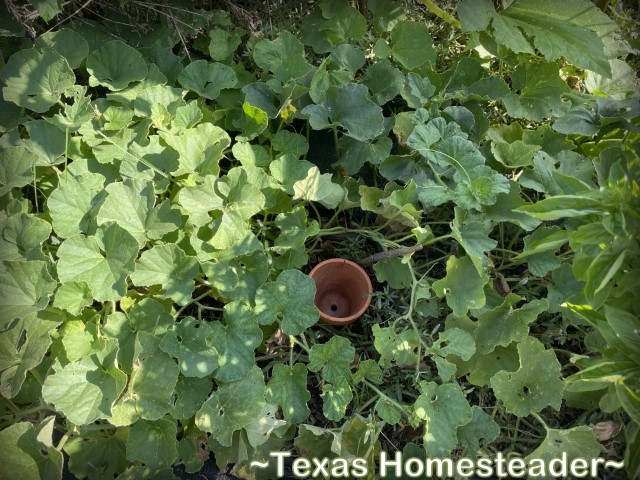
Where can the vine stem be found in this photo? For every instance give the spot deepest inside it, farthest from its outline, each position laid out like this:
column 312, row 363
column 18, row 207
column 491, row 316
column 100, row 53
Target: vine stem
column 383, row 395
column 539, row 419
column 438, row 12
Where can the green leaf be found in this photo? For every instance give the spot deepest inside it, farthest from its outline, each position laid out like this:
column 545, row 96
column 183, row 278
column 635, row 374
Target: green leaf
column 444, row 409
column 506, row 209
column 386, row 14
column 16, row 168
column 393, row 271
column 331, row 23
column 290, row 298
column 350, row 106
column 505, row 324
column 399, row 349
column 559, row 206
column 239, row 277
column 475, row 15
column 167, row 266
column 384, row 80
column 18, row 356
column 543, row 262
column 411, row 44
column 354, row 153
column 316, row 187
column 336, row 398
column 463, row 286
column 98, row 456
column 333, row 358
column 82, row 259
column 189, row 341
column 189, row 395
column 200, row 148
column 36, row 80
column 130, row 204
column 47, row 9
column 283, row 56
column 473, row 236
column 288, row 388
column 233, row 406
column 46, row 141
column 207, row 79
column 514, row 155
column 25, row 287
column 368, row 369
column 75, row 203
column 67, row 42
column 151, row 384
column 455, row 341
column 84, row 391
column 153, row 443
column 236, row 341
column 289, row 143
column 417, row 90
column 223, row 43
column 388, row 411
column 535, row 385
column 537, row 92
column 577, row 442
column 253, row 122
column 115, row 65
column 28, row 453
column 481, row 427
column 21, row 237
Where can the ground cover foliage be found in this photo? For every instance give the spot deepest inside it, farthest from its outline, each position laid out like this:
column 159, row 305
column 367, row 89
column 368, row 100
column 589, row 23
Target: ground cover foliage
column 161, row 208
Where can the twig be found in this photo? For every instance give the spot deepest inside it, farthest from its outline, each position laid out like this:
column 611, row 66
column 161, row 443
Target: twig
column 396, row 252
column 82, row 7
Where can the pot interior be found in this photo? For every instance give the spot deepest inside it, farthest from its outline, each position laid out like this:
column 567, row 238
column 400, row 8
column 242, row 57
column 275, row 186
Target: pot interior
column 342, row 291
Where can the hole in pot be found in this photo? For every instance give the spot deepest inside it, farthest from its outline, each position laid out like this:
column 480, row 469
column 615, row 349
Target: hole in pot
column 334, row 308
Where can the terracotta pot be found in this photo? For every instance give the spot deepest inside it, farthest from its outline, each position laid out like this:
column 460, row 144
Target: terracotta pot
column 343, row 291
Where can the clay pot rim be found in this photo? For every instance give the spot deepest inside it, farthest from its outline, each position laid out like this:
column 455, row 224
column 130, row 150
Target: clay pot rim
column 351, row 318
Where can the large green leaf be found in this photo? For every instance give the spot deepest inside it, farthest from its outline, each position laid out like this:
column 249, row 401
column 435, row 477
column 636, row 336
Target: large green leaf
column 463, row 286
column 411, row 44
column 319, row 188
column 67, row 42
column 115, row 65
column 578, row 442
column 36, row 80
column 236, row 341
column 505, row 324
column 190, row 342
column 288, row 388
column 103, row 262
column 552, row 25
column 384, row 81
column 19, row 357
column 207, row 79
column 283, row 56
column 331, row 23
column 168, row 266
column 537, row 91
column 333, row 358
column 85, row 390
column 396, row 348
column 153, row 443
column 444, row 409
column 130, row 204
column 481, row 427
column 336, row 397
column 25, row 287
column 47, row 141
column 21, row 237
column 290, row 300
column 16, row 168
column 151, row 384
column 200, row 148
column 98, row 456
column 233, row 406
column 28, row 451
column 238, row 277
column 74, row 205
column 535, row 385
column 349, row 106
